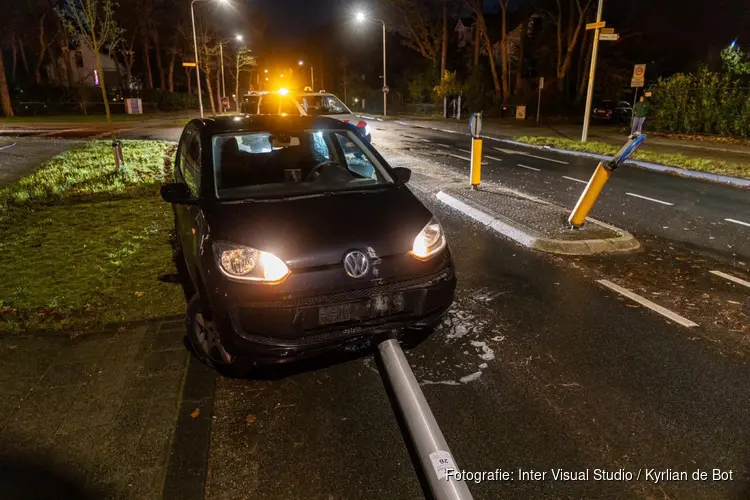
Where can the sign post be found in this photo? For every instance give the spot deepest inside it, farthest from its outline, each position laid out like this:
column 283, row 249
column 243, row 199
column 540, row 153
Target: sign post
column 592, row 73
column 638, row 81
column 539, row 102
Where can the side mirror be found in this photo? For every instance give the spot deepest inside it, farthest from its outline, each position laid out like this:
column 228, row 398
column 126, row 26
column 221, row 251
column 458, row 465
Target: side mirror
column 178, row 193
column 402, row 174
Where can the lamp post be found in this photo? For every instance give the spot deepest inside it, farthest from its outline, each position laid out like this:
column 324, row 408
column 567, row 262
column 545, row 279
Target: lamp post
column 362, row 18
column 195, row 48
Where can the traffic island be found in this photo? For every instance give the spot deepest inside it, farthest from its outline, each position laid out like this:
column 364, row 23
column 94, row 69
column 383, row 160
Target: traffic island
column 535, row 223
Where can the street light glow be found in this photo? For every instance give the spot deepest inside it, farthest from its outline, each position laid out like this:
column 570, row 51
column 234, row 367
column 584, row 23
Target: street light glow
column 300, row 62
column 239, row 38
column 265, row 71
column 360, row 17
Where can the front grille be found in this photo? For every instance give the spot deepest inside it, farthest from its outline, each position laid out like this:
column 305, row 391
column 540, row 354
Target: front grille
column 360, row 293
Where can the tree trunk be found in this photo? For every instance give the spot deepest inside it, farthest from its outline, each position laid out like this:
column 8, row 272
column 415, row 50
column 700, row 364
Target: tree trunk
column 477, row 45
column 218, row 90
column 129, row 61
column 159, row 65
column 147, row 62
column 521, row 48
column 4, row 93
column 444, row 51
column 504, row 49
column 42, row 51
column 237, row 89
column 586, row 71
column 65, row 51
column 170, row 70
column 102, row 86
column 24, row 61
column 189, row 78
column 14, row 63
column 493, row 67
column 207, row 74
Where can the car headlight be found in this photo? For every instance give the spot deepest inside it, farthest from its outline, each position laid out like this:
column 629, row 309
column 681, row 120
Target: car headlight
column 429, row 242
column 247, row 263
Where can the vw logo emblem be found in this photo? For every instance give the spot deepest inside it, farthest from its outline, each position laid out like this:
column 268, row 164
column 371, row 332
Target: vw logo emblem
column 356, row 264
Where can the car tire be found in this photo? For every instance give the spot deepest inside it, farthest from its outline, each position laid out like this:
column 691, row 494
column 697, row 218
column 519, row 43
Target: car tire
column 198, row 331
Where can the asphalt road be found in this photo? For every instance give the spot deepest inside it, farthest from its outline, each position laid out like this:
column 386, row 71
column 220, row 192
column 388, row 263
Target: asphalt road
column 639, row 200
column 537, row 367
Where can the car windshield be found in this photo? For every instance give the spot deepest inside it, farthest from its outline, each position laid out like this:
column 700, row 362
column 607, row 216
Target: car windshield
column 271, row 165
column 322, row 105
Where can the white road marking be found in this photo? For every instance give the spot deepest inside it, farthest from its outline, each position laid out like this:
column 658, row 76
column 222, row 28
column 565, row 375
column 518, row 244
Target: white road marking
column 574, row 179
column 8, row 146
column 446, row 130
column 464, row 150
column 650, row 199
column 530, row 168
column 443, row 145
column 729, row 277
column 58, row 131
column 492, row 158
column 464, row 158
column 524, row 153
column 738, row 222
column 647, row 303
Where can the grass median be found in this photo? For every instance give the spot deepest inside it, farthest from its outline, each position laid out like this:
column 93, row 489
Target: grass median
column 741, row 170
column 82, row 245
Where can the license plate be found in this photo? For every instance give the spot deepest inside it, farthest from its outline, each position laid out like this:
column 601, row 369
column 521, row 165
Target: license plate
column 378, row 305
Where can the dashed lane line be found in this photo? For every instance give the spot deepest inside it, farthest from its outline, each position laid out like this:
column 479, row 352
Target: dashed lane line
column 492, row 158
column 7, row 146
column 574, row 179
column 729, row 277
column 442, row 145
column 524, row 153
column 650, row 199
column 647, row 303
column 530, row 168
column 738, row 222
column 464, row 158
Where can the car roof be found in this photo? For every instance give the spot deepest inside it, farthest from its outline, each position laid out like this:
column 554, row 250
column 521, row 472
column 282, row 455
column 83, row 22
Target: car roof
column 271, row 123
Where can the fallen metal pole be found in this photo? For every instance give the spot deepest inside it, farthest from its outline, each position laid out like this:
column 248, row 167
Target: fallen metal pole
column 433, row 451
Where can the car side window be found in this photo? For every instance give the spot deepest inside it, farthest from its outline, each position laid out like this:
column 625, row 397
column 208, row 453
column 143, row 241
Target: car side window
column 190, row 163
column 355, row 158
column 289, row 106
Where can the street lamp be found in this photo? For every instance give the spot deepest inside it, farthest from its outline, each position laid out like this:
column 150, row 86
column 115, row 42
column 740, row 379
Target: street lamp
column 312, row 74
column 195, row 48
column 239, row 38
column 360, row 17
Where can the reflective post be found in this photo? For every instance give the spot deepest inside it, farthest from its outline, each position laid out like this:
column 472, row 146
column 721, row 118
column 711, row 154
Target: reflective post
column 600, row 177
column 475, row 128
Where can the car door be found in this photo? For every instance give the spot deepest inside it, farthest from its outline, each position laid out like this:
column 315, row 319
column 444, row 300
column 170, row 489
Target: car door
column 187, row 217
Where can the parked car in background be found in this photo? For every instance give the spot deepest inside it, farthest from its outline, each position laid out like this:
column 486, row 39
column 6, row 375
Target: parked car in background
column 613, row 111
column 296, row 238
column 284, row 102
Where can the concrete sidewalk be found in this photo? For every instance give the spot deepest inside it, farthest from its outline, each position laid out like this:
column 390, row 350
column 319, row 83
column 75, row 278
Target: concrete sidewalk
column 90, row 417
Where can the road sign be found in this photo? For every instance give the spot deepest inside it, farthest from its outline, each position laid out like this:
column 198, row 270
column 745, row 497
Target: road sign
column 189, row 65
column 609, row 37
column 386, row 89
column 520, row 112
column 607, row 31
column 649, row 94
column 596, row 26
column 475, row 125
column 541, row 82
column 639, row 75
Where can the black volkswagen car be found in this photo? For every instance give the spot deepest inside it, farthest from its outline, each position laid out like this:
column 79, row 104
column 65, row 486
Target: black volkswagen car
column 295, row 237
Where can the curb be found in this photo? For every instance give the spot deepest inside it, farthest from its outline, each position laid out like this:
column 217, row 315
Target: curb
column 682, row 172
column 625, row 242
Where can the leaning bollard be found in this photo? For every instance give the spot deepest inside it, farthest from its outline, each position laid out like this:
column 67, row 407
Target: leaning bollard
column 475, row 128
column 600, row 177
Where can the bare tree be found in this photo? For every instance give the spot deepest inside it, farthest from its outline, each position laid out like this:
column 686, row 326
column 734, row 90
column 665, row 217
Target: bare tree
column 244, row 61
column 4, row 94
column 93, row 22
column 422, row 32
column 476, row 8
column 567, row 39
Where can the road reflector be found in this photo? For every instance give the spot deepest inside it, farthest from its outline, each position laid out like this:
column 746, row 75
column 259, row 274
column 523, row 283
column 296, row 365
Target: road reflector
column 596, row 26
column 189, row 65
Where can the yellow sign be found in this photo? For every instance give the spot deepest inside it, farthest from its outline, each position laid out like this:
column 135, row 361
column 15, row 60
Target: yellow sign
column 596, row 26
column 189, row 65
column 608, row 31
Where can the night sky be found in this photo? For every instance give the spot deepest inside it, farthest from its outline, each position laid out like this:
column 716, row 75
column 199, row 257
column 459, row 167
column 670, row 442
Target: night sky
column 292, row 20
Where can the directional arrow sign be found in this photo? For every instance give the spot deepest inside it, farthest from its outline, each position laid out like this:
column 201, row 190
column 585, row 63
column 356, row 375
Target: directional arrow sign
column 608, row 31
column 596, row 26
column 609, row 37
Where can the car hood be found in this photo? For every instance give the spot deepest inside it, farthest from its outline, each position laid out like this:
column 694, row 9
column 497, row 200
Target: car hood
column 318, row 231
